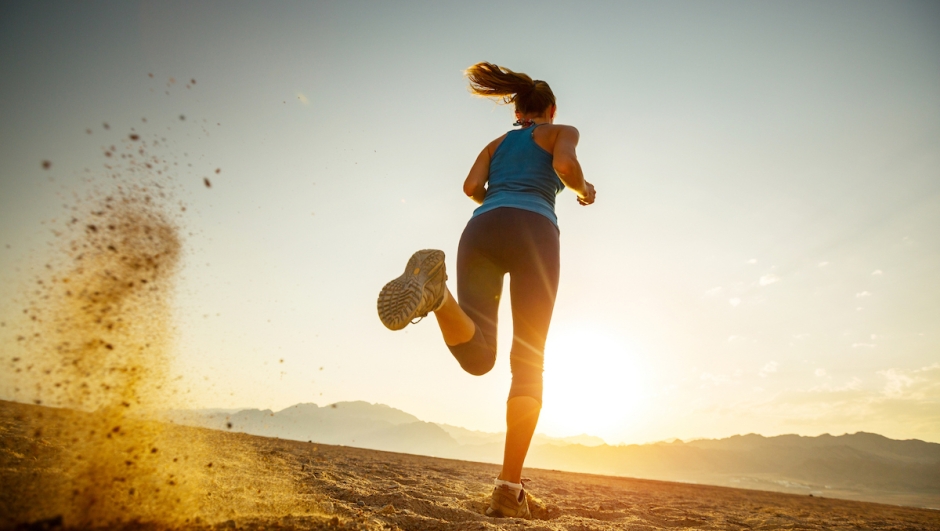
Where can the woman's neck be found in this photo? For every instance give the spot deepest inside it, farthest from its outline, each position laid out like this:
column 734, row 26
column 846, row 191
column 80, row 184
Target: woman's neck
column 532, row 121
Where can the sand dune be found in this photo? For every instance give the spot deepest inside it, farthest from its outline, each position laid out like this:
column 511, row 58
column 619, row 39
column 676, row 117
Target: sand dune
column 258, row 483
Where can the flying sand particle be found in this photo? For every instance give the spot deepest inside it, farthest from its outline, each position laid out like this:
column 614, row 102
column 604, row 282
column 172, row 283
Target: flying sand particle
column 207, row 182
column 46, row 164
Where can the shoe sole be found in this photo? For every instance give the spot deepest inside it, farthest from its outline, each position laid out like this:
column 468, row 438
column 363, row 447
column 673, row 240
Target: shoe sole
column 495, row 513
column 399, row 299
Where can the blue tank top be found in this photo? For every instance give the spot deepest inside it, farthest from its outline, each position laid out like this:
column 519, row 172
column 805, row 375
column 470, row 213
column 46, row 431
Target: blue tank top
column 521, row 176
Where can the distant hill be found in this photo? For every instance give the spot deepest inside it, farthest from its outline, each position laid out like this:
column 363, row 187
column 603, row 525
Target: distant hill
column 359, row 424
column 472, row 437
column 862, row 466
column 365, row 425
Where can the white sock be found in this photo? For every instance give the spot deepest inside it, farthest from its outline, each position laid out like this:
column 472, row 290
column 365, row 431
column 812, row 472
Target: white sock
column 443, row 300
column 516, row 487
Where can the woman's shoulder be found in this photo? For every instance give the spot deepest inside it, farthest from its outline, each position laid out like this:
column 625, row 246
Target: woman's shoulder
column 561, row 129
column 546, row 136
column 492, row 146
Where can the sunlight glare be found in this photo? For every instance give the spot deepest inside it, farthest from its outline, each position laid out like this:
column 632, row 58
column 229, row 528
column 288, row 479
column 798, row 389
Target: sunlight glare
column 594, row 383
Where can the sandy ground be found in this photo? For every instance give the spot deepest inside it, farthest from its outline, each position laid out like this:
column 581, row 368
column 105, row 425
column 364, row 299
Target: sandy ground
column 259, row 483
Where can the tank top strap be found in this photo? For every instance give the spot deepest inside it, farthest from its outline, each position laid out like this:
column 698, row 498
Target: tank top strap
column 531, row 137
column 532, row 127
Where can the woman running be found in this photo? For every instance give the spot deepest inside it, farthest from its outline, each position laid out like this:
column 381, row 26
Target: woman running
column 514, row 230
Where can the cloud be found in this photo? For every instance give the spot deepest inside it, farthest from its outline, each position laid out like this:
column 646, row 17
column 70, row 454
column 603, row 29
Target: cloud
column 897, row 403
column 862, row 294
column 897, row 382
column 847, row 388
column 898, row 387
column 820, row 372
column 752, row 261
column 303, row 99
column 713, row 291
column 768, row 279
column 734, row 301
column 863, row 345
column 823, row 264
column 918, row 384
column 877, row 273
column 769, row 368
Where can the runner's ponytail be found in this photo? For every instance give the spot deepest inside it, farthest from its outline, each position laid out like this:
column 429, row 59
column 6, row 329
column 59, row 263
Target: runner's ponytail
column 492, row 81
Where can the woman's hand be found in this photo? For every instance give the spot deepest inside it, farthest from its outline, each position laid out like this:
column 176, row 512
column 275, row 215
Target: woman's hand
column 588, row 198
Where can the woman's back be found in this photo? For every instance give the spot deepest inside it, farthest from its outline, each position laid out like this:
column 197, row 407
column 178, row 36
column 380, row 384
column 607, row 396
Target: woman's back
column 521, row 176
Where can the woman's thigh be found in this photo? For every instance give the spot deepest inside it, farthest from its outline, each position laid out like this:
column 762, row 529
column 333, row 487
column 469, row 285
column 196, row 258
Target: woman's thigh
column 534, row 272
column 479, row 278
column 525, row 245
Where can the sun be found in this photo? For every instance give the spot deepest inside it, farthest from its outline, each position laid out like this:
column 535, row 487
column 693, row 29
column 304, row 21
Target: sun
column 595, row 383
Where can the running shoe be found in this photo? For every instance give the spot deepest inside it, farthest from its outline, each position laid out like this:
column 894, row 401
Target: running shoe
column 507, row 504
column 417, row 292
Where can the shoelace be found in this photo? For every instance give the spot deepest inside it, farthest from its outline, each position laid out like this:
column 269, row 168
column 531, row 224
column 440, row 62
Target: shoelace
column 418, row 319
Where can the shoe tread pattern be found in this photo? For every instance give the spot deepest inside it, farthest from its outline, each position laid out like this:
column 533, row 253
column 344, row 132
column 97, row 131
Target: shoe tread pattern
column 404, row 298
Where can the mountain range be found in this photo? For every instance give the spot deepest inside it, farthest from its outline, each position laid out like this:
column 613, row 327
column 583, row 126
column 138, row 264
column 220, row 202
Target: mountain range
column 861, row 466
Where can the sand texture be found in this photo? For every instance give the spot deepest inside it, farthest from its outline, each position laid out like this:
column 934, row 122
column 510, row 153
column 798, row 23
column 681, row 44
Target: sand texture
column 238, row 481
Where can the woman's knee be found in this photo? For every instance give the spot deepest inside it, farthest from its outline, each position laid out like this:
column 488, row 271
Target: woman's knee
column 530, row 389
column 527, row 368
column 478, row 366
column 475, row 356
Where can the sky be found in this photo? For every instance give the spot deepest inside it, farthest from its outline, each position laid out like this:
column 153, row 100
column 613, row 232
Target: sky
column 763, row 255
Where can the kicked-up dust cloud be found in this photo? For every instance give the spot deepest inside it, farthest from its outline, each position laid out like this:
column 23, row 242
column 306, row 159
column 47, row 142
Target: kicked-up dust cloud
column 98, row 337
column 94, row 339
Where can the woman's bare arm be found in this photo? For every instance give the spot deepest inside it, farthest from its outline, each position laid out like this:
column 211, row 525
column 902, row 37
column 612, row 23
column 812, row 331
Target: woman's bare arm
column 566, row 165
column 475, row 184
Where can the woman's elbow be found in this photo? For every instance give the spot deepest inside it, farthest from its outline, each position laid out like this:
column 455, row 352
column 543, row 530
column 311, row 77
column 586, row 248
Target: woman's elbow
column 469, row 189
column 564, row 167
column 472, row 188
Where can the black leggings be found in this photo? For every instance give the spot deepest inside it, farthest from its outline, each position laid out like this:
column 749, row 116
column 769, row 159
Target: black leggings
column 525, row 245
